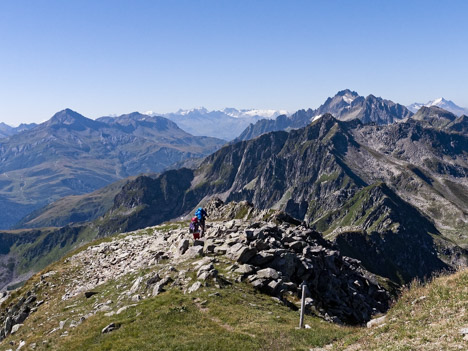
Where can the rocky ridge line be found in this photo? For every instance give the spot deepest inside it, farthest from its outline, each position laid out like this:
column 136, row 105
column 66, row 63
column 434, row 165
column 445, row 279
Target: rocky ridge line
column 275, row 257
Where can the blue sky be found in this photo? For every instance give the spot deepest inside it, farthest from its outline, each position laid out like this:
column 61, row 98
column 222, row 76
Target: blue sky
column 112, row 57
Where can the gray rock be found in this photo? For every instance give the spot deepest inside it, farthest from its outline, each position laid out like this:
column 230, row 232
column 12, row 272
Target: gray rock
column 136, row 285
column 245, row 269
column 376, row 322
column 204, row 268
column 195, row 286
column 208, row 275
column 273, row 286
column 209, row 246
column 30, row 299
column 22, row 315
column 193, row 251
column 221, row 250
column 297, row 246
column 15, row 328
column 153, row 280
column 268, row 273
column 110, row 327
column 159, row 287
column 124, row 308
column 286, row 264
column 183, row 246
column 157, row 290
column 198, row 242
column 135, row 298
column 261, row 245
column 62, row 324
column 258, row 283
column 241, row 253
column 262, row 258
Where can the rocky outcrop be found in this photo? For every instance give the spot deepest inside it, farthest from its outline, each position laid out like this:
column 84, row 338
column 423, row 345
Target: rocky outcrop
column 13, row 315
column 276, row 257
column 434, row 116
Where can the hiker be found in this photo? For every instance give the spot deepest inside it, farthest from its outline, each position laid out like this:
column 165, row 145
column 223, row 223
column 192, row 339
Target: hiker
column 201, row 215
column 194, row 228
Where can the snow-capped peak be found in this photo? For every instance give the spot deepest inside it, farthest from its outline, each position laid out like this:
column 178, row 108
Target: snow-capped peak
column 437, row 102
column 253, row 113
column 442, row 103
column 200, row 110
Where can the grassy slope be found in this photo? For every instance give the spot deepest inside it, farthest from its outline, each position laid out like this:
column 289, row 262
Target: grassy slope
column 238, row 319
column 75, row 208
column 425, row 318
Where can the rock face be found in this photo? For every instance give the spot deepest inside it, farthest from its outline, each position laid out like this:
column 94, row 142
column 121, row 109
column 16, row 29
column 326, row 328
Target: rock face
column 346, row 105
column 434, row 116
column 12, row 318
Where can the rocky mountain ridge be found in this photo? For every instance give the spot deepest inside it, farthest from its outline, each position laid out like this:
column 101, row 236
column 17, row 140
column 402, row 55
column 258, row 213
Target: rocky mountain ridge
column 274, row 255
column 331, row 172
column 6, row 130
column 346, row 105
column 375, row 190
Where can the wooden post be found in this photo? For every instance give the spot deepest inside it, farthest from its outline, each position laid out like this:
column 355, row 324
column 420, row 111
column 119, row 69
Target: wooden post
column 301, row 321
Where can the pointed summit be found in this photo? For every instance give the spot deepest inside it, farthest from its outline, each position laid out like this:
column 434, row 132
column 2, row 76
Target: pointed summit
column 71, row 120
column 347, row 105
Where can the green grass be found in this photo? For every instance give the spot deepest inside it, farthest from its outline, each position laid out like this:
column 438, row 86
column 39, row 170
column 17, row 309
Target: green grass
column 237, row 318
column 426, row 317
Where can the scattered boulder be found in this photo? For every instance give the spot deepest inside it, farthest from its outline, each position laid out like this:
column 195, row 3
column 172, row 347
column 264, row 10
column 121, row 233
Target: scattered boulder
column 376, row 322
column 111, row 327
column 268, row 273
column 193, row 252
column 195, row 286
column 241, row 253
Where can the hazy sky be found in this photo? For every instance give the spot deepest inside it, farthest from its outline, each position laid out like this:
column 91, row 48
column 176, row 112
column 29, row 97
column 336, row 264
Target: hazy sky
column 113, row 57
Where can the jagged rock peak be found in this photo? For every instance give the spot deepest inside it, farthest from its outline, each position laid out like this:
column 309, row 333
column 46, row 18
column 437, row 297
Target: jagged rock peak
column 347, row 92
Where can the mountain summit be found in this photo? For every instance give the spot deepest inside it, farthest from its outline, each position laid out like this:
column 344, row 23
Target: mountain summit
column 442, row 103
column 71, row 154
column 345, row 106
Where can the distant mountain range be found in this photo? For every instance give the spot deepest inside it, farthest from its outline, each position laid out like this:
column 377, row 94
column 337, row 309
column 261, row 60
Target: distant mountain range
column 72, row 155
column 442, row 103
column 345, row 105
column 226, row 124
column 6, row 130
column 393, row 196
column 31, row 160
